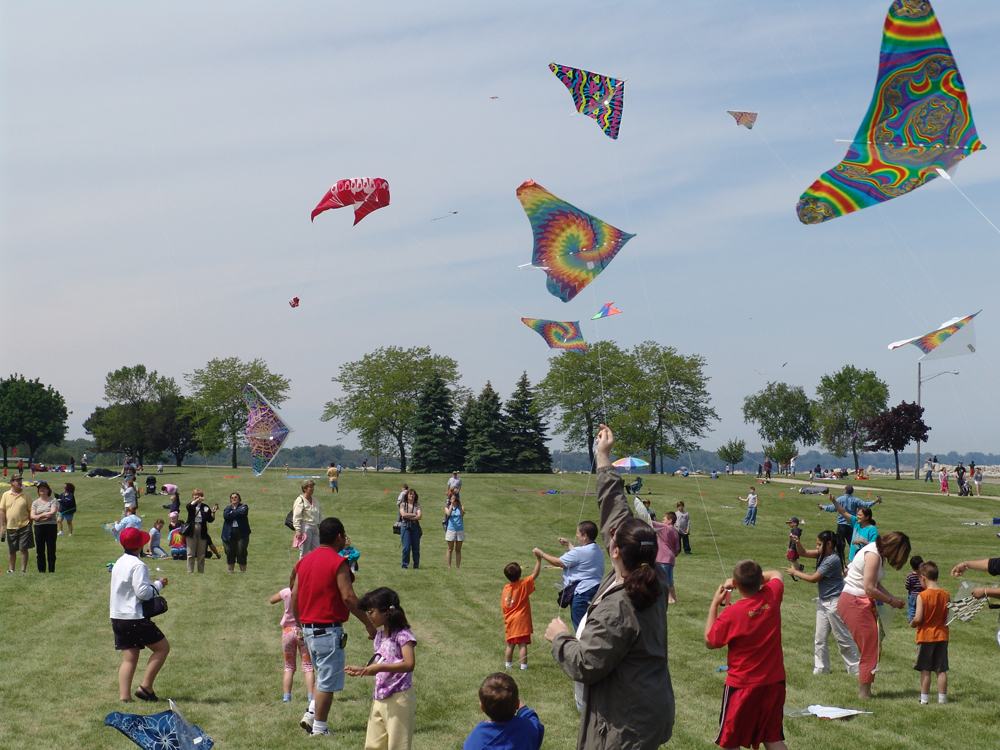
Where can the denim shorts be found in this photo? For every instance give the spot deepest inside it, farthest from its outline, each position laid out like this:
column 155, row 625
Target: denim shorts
column 327, row 657
column 669, row 570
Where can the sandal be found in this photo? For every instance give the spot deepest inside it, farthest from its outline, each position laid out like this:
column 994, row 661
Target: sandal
column 142, row 695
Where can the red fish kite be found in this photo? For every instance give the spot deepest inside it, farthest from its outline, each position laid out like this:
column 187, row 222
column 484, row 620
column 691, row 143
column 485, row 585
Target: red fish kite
column 366, row 194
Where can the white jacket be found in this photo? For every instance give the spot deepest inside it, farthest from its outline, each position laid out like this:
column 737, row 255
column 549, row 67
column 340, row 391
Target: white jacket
column 304, row 514
column 130, row 587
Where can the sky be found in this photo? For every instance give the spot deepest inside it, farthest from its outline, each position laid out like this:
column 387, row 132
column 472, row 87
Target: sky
column 159, row 161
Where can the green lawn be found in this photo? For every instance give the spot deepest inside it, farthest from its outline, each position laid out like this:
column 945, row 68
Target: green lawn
column 224, row 670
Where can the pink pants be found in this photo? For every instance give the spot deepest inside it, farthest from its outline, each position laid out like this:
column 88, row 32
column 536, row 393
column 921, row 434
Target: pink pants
column 858, row 613
column 290, row 643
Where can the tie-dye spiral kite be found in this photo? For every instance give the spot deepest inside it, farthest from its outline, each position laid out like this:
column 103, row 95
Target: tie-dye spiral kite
column 558, row 334
column 366, row 194
column 954, row 338
column 746, row 119
column 599, row 97
column 265, row 430
column 919, row 121
column 571, row 246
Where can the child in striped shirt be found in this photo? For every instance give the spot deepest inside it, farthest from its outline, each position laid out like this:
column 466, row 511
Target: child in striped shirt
column 913, row 586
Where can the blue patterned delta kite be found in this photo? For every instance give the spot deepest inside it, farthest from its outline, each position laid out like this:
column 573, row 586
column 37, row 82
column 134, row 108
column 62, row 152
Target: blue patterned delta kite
column 265, row 430
column 919, row 121
column 168, row 730
column 571, row 246
column 599, row 97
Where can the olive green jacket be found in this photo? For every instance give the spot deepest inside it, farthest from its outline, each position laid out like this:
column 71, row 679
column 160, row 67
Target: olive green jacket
column 622, row 657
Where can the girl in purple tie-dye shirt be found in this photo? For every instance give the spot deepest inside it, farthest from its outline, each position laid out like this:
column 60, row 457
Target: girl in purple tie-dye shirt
column 393, row 714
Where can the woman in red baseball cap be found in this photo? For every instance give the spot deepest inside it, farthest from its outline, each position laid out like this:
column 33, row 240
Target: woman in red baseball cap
column 130, row 587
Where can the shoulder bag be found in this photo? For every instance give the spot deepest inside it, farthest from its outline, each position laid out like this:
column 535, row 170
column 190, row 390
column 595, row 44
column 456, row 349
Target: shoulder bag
column 153, row 607
column 565, row 596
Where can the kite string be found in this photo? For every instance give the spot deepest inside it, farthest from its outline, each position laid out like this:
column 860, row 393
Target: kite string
column 652, row 320
column 952, row 181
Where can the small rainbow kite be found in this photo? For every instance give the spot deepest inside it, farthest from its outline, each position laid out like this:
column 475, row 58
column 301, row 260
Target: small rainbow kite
column 746, row 119
column 599, row 97
column 606, row 311
column 559, row 334
column 932, row 344
column 571, row 246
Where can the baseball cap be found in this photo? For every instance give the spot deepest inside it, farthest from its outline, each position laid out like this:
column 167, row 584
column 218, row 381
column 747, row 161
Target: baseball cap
column 793, row 519
column 132, row 538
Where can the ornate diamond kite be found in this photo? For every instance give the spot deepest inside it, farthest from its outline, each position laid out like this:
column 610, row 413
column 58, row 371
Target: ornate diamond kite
column 571, row 246
column 558, row 334
column 599, row 97
column 265, row 430
column 366, row 194
column 746, row 119
column 918, row 121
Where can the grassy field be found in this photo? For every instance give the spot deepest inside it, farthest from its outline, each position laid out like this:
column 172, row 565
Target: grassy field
column 225, row 667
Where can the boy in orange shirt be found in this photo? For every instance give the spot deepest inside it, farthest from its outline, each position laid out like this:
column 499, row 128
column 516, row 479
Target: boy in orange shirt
column 932, row 633
column 517, row 611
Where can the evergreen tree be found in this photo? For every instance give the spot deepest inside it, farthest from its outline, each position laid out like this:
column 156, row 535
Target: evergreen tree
column 462, row 431
column 527, row 452
column 486, row 447
column 434, row 428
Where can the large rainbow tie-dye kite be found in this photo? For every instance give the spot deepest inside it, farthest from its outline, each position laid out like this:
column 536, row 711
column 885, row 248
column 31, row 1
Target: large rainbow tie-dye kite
column 919, row 121
column 571, row 246
column 265, row 430
column 559, row 334
column 599, row 97
column 933, row 344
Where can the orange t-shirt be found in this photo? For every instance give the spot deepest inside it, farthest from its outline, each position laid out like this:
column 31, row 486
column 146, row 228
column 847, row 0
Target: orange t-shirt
column 933, row 628
column 517, row 608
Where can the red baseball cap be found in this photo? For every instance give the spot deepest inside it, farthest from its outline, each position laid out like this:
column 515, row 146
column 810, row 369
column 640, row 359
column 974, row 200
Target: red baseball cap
column 133, row 538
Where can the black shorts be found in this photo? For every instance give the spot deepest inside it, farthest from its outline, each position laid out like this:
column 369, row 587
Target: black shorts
column 135, row 633
column 932, row 657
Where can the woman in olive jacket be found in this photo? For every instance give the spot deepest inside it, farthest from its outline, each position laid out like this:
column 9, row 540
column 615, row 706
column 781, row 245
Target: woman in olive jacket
column 619, row 656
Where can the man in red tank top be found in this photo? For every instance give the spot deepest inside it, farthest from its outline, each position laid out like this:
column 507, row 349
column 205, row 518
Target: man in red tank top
column 322, row 599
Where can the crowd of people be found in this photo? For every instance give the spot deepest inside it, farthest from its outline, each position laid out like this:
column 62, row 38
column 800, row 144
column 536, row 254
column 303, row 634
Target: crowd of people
column 615, row 653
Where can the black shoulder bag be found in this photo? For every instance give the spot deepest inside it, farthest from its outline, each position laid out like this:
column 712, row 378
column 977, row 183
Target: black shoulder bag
column 153, row 607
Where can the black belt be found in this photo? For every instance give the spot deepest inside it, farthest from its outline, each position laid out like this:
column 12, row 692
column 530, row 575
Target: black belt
column 322, row 624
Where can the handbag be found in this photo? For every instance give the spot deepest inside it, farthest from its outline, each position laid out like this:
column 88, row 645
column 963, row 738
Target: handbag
column 288, row 520
column 565, row 596
column 397, row 528
column 153, row 607
column 185, row 529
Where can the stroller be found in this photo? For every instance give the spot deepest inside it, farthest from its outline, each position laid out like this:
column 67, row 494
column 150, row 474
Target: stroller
column 150, row 485
column 964, row 489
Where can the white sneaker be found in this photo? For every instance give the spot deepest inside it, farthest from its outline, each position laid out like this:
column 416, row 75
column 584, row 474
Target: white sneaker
column 320, row 734
column 59, row 534
column 821, row 671
column 307, row 721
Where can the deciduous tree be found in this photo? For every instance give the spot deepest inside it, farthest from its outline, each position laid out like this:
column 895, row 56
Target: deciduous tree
column 781, row 412
column 844, row 401
column 380, row 395
column 733, row 452
column 895, row 429
column 32, row 413
column 217, row 393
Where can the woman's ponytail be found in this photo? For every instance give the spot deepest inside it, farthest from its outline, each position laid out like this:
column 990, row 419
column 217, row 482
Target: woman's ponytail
column 637, row 545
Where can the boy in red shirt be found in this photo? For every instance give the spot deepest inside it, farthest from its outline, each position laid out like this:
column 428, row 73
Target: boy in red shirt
column 516, row 608
column 754, row 695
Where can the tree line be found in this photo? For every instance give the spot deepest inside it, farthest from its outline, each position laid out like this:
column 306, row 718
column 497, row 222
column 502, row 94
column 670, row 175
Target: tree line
column 850, row 414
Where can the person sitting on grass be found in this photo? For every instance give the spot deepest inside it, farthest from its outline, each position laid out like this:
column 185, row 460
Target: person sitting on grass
column 394, row 705
column 516, row 606
column 754, row 695
column 130, row 587
column 510, row 725
column 930, row 620
column 829, row 554
column 154, row 540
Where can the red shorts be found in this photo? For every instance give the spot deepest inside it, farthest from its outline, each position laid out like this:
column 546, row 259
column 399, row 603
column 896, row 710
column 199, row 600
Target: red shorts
column 519, row 639
column 792, row 554
column 751, row 715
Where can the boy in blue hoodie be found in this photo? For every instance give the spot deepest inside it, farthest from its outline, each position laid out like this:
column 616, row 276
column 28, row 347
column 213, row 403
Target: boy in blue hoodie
column 511, row 724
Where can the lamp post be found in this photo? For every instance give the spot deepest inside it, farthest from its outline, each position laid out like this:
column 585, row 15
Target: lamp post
column 920, row 380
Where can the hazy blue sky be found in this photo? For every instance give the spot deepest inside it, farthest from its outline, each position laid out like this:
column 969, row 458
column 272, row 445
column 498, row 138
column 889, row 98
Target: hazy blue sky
column 160, row 160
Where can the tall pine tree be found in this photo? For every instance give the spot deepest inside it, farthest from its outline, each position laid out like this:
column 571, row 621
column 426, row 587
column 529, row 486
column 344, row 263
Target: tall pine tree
column 527, row 452
column 486, row 447
column 434, row 428
column 462, row 431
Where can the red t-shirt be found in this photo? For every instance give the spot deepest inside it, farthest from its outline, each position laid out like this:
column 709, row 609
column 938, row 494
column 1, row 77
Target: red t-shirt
column 752, row 629
column 319, row 595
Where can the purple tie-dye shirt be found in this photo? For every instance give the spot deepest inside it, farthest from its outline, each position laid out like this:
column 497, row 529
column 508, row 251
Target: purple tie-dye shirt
column 390, row 651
